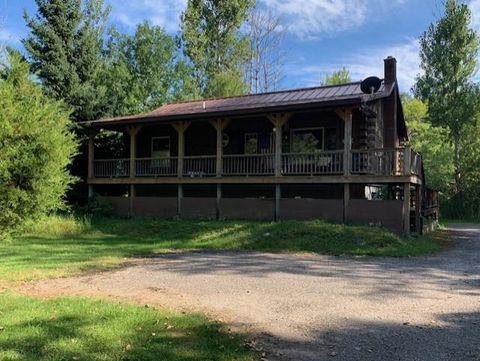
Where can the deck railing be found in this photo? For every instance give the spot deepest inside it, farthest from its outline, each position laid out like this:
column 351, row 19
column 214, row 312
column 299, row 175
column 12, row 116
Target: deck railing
column 381, row 162
column 156, row 167
column 328, row 162
column 200, row 166
column 377, row 162
column 249, row 164
column 111, row 168
column 416, row 164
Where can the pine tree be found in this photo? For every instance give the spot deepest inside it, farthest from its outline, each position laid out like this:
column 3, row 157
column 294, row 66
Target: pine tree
column 64, row 48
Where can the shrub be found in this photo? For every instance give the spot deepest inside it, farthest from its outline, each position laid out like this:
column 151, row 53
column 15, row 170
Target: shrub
column 37, row 146
column 97, row 207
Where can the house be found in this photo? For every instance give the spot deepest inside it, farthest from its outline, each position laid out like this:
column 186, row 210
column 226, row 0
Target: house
column 331, row 152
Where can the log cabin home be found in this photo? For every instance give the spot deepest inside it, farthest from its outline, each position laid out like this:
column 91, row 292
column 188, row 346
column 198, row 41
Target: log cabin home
column 331, row 152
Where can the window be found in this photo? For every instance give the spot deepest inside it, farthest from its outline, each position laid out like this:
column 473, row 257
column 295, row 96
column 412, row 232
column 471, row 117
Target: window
column 309, row 140
column 251, row 143
column 161, row 147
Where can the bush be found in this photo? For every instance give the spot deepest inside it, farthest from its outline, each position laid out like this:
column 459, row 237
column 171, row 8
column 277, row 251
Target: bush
column 37, row 146
column 97, row 208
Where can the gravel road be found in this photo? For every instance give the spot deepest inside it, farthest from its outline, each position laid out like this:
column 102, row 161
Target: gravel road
column 310, row 307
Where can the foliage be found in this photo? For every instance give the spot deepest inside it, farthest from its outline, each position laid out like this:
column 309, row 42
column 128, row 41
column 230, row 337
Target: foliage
column 64, row 48
column 226, row 84
column 432, row 143
column 211, row 39
column 338, row 77
column 96, row 207
column 449, row 50
column 143, row 71
column 102, row 243
column 37, row 146
column 83, row 329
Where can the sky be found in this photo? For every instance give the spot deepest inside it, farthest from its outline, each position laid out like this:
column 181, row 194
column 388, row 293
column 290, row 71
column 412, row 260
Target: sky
column 322, row 35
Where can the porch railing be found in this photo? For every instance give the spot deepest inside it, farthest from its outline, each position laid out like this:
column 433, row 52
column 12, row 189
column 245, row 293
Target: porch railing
column 328, row 162
column 249, row 164
column 156, row 167
column 111, row 168
column 377, row 162
column 381, row 162
column 200, row 166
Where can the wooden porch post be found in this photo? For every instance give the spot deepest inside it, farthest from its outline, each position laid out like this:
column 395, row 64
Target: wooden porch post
column 278, row 197
column 407, row 160
column 181, row 128
column 346, row 115
column 278, row 120
column 418, row 209
column 91, row 158
column 133, row 130
column 346, row 202
column 406, row 209
column 219, row 199
column 220, row 125
column 179, row 200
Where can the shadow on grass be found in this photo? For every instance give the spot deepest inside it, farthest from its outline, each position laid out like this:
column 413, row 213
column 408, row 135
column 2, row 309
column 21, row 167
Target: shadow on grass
column 80, row 329
column 108, row 242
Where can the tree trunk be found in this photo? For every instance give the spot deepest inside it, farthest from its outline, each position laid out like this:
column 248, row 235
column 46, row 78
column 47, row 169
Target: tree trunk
column 456, row 161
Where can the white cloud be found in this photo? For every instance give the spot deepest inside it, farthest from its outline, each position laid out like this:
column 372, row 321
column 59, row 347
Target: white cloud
column 369, row 62
column 307, row 19
column 165, row 13
column 310, row 19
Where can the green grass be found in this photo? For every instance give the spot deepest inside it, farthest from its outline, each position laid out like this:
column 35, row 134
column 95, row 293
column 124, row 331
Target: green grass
column 87, row 330
column 458, row 221
column 57, row 247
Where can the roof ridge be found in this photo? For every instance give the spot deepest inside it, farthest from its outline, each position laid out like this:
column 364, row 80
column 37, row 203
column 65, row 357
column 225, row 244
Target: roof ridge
column 257, row 94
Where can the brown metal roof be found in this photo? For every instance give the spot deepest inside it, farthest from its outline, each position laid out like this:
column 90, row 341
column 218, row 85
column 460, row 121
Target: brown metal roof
column 255, row 103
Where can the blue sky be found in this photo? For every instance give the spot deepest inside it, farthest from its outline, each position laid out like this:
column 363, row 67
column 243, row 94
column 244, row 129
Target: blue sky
column 322, row 35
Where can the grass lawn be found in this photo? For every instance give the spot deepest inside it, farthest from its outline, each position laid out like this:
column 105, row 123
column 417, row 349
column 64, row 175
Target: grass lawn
column 57, row 246
column 87, row 330
column 446, row 222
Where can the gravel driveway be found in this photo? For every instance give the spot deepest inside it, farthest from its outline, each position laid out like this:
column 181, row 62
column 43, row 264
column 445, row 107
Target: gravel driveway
column 309, row 307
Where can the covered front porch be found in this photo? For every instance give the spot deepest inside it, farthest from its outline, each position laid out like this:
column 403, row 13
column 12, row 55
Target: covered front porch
column 321, row 143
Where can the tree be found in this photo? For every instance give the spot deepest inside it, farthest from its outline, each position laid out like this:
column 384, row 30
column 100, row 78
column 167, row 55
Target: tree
column 211, row 39
column 449, row 50
column 144, row 71
column 264, row 68
column 432, row 143
column 64, row 48
column 469, row 208
column 338, row 77
column 37, row 146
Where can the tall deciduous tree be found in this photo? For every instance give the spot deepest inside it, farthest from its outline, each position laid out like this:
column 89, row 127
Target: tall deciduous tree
column 144, row 71
column 264, row 69
column 37, row 146
column 211, row 39
column 64, row 48
column 449, row 50
column 338, row 77
column 432, row 143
